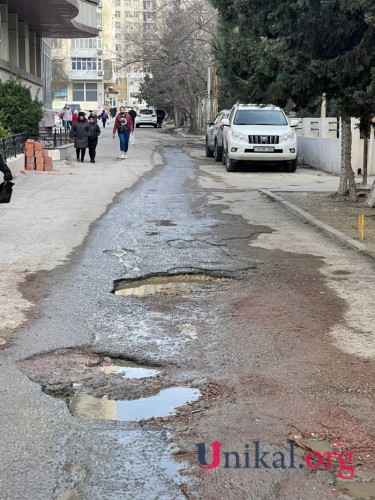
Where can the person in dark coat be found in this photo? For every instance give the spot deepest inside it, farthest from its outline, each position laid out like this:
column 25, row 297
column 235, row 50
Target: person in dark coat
column 133, row 114
column 5, row 170
column 80, row 133
column 104, row 117
column 94, row 132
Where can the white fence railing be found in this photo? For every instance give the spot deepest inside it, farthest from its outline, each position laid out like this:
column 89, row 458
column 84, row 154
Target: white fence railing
column 319, row 144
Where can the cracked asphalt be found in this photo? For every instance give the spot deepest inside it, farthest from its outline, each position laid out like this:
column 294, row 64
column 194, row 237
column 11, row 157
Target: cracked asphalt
column 265, row 341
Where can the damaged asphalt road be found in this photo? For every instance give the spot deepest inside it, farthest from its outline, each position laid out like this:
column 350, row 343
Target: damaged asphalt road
column 244, row 328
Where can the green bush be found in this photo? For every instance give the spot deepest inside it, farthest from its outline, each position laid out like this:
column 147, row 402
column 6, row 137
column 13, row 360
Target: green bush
column 19, row 112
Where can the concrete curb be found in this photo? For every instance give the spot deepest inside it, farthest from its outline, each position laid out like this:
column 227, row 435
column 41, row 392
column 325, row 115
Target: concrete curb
column 338, row 235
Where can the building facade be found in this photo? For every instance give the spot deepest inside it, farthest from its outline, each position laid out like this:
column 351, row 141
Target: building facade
column 27, row 27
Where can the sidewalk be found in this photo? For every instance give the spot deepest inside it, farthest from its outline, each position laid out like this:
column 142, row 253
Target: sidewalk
column 353, row 224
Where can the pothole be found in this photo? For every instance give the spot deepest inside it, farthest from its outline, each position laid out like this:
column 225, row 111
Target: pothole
column 163, row 404
column 320, row 445
column 167, row 284
column 163, row 222
column 357, row 490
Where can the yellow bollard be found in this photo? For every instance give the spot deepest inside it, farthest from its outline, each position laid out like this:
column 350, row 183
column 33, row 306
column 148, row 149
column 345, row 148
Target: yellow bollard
column 361, row 226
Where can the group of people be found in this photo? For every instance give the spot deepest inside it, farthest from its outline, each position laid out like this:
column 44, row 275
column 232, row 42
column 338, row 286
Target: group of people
column 85, row 133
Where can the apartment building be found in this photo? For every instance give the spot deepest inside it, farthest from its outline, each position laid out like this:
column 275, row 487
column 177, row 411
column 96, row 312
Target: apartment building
column 107, row 70
column 27, row 27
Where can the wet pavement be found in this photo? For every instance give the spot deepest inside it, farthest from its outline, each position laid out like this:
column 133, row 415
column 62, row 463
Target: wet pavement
column 230, row 336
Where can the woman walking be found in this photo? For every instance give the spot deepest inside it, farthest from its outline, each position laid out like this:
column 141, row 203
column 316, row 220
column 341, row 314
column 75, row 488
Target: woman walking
column 124, row 127
column 94, row 132
column 80, row 133
column 104, row 117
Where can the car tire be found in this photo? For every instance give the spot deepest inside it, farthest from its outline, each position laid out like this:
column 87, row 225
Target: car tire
column 229, row 164
column 209, row 153
column 155, row 126
column 290, row 166
column 217, row 155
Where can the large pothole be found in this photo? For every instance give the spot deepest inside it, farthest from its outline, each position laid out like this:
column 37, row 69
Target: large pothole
column 166, row 284
column 96, row 387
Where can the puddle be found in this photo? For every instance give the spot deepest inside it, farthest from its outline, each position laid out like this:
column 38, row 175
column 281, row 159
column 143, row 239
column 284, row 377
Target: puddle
column 358, row 490
column 163, row 222
column 162, row 284
column 129, row 370
column 316, row 445
column 161, row 405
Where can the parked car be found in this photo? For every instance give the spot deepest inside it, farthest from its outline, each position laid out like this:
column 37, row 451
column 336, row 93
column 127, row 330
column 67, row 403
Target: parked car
column 214, row 136
column 146, row 116
column 259, row 133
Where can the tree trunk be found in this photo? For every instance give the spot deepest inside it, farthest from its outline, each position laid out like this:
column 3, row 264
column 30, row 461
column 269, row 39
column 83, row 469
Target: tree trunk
column 365, row 155
column 347, row 178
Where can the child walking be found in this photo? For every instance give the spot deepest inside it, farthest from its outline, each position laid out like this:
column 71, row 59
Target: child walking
column 94, row 132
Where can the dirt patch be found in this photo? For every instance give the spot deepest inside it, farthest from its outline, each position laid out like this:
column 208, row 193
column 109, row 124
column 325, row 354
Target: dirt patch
column 339, row 213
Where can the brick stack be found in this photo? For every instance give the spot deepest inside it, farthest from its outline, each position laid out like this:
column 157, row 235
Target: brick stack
column 36, row 157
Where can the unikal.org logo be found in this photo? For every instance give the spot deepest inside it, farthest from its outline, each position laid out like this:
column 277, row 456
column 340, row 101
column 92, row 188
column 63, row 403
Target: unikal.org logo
column 256, row 458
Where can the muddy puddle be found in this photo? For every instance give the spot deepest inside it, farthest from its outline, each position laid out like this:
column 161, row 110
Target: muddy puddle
column 163, row 404
column 184, row 283
column 358, row 490
column 317, row 445
column 130, row 370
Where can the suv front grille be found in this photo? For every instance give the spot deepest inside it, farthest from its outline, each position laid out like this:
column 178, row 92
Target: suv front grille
column 263, row 139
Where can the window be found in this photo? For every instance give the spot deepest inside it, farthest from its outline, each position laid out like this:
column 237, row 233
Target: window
column 117, row 13
column 116, row 3
column 136, row 4
column 259, row 117
column 127, row 3
column 117, row 26
column 128, row 26
column 149, row 5
column 86, row 64
column 86, row 43
column 136, row 15
column 128, row 14
column 85, row 91
column 117, row 47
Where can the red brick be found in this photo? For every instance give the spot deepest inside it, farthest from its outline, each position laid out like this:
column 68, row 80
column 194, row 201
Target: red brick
column 45, row 153
column 38, row 154
column 40, row 167
column 30, row 163
column 29, row 150
column 30, row 141
column 38, row 147
column 48, row 167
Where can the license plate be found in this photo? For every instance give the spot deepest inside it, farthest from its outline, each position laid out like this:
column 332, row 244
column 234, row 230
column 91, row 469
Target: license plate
column 264, row 149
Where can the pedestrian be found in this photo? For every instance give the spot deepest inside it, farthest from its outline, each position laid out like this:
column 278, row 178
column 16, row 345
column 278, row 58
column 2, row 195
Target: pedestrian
column 75, row 115
column 133, row 114
column 94, row 132
column 124, row 127
column 5, row 170
column 67, row 117
column 104, row 117
column 80, row 133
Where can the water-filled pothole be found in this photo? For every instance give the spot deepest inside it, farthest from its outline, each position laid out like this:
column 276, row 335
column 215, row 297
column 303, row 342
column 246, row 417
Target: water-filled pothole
column 320, row 445
column 358, row 490
column 129, row 370
column 169, row 284
column 163, row 404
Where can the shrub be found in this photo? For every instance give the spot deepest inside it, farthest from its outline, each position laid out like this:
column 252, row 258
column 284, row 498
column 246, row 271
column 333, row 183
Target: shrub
column 20, row 113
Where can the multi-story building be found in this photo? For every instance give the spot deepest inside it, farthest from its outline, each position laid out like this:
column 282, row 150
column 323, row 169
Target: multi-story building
column 26, row 29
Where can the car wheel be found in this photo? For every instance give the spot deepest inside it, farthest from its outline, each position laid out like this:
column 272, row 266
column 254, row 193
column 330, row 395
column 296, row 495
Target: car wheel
column 217, row 155
column 155, row 125
column 229, row 164
column 209, row 153
column 290, row 166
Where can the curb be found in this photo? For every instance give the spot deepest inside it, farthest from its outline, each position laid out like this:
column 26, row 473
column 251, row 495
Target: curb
column 338, row 235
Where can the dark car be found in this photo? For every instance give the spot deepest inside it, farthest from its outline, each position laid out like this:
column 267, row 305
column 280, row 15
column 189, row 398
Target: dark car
column 214, row 136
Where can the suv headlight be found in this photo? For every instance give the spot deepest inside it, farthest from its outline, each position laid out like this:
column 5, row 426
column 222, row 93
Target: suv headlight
column 237, row 136
column 290, row 136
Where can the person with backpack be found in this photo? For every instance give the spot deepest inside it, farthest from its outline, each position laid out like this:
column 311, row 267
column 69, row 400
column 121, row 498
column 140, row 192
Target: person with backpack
column 124, row 127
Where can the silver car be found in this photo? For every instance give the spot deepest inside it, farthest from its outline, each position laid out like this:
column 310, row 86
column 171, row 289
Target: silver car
column 146, row 116
column 214, row 136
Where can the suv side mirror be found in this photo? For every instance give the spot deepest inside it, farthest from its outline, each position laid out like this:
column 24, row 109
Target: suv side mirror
column 294, row 123
column 225, row 122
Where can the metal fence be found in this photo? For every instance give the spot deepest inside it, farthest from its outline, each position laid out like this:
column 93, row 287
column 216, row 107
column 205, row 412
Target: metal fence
column 12, row 146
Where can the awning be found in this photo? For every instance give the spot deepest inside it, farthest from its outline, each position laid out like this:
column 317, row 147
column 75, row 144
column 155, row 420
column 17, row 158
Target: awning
column 111, row 90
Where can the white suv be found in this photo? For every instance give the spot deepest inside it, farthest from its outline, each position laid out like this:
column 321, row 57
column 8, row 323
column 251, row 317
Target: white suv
column 259, row 133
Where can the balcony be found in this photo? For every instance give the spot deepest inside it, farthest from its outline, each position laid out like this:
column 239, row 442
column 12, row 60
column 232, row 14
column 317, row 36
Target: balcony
column 57, row 18
column 85, row 75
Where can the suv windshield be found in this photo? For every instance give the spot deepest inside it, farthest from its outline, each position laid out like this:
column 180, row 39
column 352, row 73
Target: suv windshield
column 146, row 111
column 259, row 117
